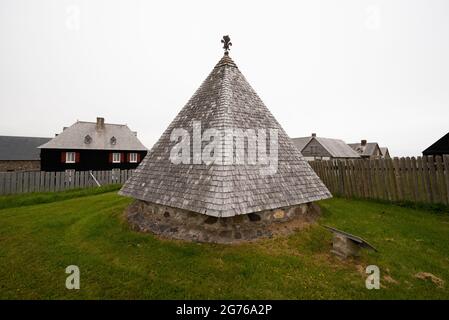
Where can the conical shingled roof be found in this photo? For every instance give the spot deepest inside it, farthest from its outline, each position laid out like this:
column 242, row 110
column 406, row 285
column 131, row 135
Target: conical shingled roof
column 225, row 100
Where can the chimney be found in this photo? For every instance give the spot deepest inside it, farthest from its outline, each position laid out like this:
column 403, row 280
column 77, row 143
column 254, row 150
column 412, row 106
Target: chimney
column 314, row 135
column 100, row 123
column 363, row 143
column 135, row 133
column 64, row 128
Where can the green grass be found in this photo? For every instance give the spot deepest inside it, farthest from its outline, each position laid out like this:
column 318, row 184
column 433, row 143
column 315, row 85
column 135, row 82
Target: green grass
column 38, row 241
column 19, row 200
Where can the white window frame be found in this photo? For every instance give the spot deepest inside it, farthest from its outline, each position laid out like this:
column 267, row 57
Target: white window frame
column 70, row 157
column 116, row 157
column 133, row 157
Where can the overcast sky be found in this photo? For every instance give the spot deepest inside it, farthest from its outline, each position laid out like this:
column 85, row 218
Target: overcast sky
column 375, row 70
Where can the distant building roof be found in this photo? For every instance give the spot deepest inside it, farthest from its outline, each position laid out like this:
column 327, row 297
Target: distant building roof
column 365, row 148
column 384, row 151
column 337, row 148
column 441, row 146
column 20, row 148
column 96, row 136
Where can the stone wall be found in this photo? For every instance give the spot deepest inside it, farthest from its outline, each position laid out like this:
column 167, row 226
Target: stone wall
column 186, row 225
column 20, row 165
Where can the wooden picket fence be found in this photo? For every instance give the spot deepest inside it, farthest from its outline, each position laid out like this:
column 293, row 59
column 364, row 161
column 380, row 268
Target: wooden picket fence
column 40, row 181
column 420, row 179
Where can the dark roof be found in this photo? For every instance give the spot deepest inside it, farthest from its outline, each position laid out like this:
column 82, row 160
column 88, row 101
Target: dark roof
column 20, row 148
column 337, row 148
column 74, row 136
column 368, row 149
column 439, row 147
column 225, row 100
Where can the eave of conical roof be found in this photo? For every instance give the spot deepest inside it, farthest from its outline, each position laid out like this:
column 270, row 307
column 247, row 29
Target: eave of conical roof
column 225, row 100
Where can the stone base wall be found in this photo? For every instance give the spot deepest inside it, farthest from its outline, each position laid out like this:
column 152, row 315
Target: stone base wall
column 20, row 165
column 186, row 225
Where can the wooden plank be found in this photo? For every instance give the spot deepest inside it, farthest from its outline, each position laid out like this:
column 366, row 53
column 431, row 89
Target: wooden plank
column 88, row 179
column 347, row 179
column 76, row 182
column 410, row 181
column 72, row 180
column 340, row 178
column 26, row 181
column 384, row 180
column 327, row 167
column 32, row 179
column 81, row 180
column 372, row 170
column 363, row 179
column 42, row 181
column 13, row 183
column 47, row 181
column 358, row 187
column 391, row 179
column 426, row 174
column 7, row 183
column 52, row 181
column 319, row 165
column 109, row 177
column 397, row 178
column 2, row 183
column 446, row 174
column 37, row 181
column 354, row 179
column 404, row 179
column 422, row 180
column 380, row 179
column 366, row 190
column 441, row 180
column 336, row 183
column 58, row 181
column 374, row 179
column 415, row 179
column 433, row 180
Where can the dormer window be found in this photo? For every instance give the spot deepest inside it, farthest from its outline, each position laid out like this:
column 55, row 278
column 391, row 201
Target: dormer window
column 87, row 139
column 113, row 141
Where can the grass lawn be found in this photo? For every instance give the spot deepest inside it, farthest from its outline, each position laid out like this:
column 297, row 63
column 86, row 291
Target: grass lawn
column 38, row 241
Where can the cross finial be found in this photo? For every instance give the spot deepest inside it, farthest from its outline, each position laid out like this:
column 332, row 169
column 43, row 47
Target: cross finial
column 226, row 44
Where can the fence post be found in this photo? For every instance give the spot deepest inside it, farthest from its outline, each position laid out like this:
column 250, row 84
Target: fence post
column 441, row 181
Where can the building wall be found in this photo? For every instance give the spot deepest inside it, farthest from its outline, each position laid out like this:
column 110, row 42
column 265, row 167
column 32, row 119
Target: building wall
column 314, row 150
column 88, row 160
column 20, row 165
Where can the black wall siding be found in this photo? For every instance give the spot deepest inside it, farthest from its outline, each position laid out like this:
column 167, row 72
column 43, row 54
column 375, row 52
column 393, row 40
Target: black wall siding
column 89, row 160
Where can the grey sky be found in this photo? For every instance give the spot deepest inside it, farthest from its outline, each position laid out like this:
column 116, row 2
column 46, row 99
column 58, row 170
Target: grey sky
column 377, row 70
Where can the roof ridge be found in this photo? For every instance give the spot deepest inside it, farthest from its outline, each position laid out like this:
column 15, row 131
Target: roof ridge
column 111, row 124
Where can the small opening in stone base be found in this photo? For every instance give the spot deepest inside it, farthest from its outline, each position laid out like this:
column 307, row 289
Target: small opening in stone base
column 253, row 217
column 211, row 220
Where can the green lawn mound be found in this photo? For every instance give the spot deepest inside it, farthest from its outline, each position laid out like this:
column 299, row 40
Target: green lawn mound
column 38, row 241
